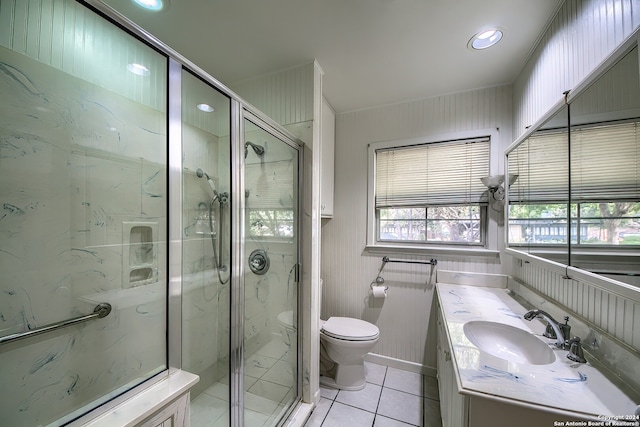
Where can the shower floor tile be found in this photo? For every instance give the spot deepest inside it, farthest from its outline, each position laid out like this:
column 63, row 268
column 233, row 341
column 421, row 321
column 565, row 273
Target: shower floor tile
column 280, row 373
column 257, row 365
column 206, row 410
column 259, row 404
column 268, row 388
column 275, row 348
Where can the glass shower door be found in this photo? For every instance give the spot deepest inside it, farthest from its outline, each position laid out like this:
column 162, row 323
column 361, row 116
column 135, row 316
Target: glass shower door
column 83, row 190
column 206, row 242
column 270, row 278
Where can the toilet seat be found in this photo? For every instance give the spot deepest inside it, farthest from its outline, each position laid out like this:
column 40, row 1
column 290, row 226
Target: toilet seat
column 349, row 329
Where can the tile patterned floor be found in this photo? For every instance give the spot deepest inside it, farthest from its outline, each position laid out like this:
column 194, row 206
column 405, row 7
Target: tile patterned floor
column 268, row 380
column 390, row 398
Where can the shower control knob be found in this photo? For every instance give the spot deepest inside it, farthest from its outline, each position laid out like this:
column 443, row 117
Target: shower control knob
column 259, row 262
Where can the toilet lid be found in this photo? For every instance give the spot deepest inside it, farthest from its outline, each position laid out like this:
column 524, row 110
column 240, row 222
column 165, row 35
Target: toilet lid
column 347, row 328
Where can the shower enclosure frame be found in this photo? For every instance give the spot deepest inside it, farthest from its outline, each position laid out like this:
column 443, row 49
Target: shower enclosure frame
column 238, row 256
column 240, row 110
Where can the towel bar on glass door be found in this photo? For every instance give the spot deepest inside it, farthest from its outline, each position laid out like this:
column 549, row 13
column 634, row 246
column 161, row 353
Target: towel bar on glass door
column 101, row 310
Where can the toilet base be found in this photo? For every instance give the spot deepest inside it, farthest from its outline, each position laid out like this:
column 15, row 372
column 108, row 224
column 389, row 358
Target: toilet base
column 347, row 377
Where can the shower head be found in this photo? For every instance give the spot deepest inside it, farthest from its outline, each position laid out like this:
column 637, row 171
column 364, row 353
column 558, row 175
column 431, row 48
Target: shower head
column 212, row 185
column 258, row 149
column 200, row 173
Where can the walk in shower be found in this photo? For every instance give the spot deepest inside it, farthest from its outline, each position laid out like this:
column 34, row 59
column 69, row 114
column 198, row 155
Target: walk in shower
column 131, row 179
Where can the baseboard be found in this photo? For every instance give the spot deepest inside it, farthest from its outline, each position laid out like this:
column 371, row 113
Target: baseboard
column 404, row 365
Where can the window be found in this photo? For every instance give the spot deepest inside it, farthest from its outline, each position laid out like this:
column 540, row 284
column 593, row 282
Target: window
column 605, row 188
column 270, row 223
column 429, row 192
column 270, row 197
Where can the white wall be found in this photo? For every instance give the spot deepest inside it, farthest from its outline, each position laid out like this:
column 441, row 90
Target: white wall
column 347, row 270
column 285, row 96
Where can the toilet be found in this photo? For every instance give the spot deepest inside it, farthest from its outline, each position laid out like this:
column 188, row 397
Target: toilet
column 344, row 341
column 287, row 327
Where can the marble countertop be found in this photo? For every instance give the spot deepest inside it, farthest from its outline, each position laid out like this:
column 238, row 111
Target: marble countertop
column 562, row 386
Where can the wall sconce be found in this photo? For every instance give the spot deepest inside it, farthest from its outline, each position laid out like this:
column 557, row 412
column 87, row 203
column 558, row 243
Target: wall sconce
column 495, row 186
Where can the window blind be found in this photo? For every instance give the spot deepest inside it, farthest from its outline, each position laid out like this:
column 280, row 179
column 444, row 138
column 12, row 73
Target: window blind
column 541, row 165
column 443, row 173
column 605, row 163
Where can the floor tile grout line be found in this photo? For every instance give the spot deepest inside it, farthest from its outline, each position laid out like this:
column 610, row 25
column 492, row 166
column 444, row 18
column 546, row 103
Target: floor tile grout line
column 384, row 377
column 327, row 414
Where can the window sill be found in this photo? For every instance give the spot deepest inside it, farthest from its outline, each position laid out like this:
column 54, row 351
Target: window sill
column 433, row 250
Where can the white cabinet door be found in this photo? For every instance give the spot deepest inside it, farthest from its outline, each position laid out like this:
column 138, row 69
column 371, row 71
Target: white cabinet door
column 454, row 407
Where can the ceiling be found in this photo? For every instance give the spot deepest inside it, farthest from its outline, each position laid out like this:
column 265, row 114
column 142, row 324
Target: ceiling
column 372, row 52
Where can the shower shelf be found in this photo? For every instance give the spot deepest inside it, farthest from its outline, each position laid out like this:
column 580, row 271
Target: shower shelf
column 139, row 255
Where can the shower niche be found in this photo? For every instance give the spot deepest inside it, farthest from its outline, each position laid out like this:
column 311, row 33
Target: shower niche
column 139, row 253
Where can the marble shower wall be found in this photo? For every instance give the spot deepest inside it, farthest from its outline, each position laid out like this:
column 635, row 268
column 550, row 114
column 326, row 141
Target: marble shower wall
column 269, row 186
column 82, row 221
column 206, row 298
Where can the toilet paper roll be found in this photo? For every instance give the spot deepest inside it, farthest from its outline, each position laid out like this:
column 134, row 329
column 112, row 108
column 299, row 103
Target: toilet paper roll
column 379, row 291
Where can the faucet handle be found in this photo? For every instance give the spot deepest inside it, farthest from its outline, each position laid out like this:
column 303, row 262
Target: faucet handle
column 575, row 350
column 565, row 329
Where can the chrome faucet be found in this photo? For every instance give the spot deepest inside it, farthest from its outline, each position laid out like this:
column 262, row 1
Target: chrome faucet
column 555, row 330
column 575, row 350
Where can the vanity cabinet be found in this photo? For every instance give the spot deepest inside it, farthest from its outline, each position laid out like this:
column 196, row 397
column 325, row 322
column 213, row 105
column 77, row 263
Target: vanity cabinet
column 327, row 138
column 453, row 405
column 462, row 410
column 480, row 389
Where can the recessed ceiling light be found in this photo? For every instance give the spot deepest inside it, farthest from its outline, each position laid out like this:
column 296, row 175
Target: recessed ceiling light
column 485, row 39
column 205, row 107
column 138, row 69
column 154, row 5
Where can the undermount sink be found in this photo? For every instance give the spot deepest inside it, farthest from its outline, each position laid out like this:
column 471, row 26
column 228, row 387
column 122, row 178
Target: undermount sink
column 508, row 342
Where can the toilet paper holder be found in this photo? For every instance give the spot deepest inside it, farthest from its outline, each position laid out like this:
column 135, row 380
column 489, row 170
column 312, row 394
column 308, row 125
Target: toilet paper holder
column 378, row 282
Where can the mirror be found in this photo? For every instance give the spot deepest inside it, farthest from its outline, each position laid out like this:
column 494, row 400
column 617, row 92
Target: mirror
column 577, row 197
column 605, row 172
column 538, row 199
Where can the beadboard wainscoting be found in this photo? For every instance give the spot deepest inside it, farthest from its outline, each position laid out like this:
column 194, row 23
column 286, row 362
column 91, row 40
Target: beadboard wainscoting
column 582, row 35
